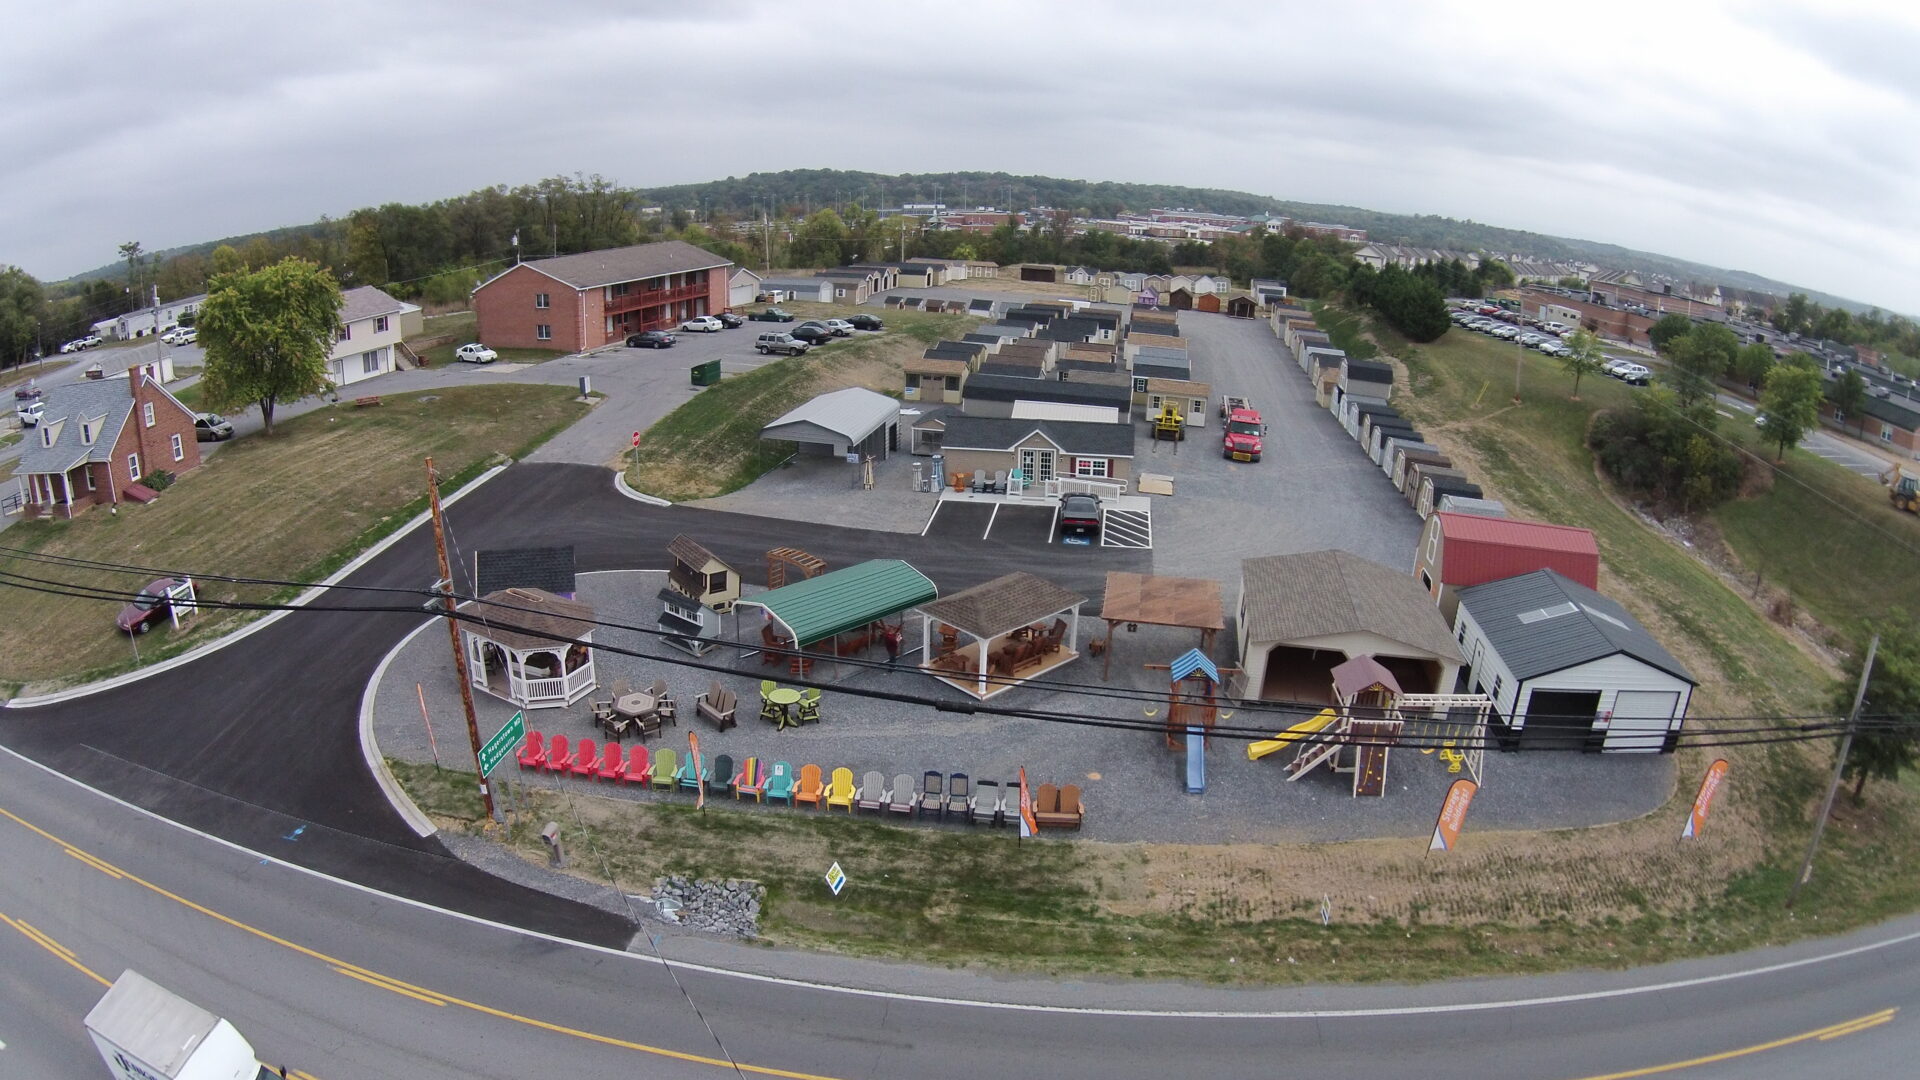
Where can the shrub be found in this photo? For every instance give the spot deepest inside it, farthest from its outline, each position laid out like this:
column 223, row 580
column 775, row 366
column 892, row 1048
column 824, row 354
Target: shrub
column 1667, row 454
column 158, row 480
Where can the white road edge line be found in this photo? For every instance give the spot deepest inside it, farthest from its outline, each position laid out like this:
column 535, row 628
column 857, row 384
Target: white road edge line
column 620, row 484
column 397, row 796
column 991, row 515
column 312, row 593
column 930, row 999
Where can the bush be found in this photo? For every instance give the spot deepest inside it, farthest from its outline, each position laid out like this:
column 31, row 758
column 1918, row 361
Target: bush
column 158, row 480
column 1661, row 452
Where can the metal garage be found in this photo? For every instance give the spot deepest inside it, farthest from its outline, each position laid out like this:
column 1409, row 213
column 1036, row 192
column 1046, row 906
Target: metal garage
column 854, row 420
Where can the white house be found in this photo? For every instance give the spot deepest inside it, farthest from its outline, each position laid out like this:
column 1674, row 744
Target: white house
column 369, row 332
column 149, row 320
column 1562, row 662
column 742, row 287
column 1080, row 275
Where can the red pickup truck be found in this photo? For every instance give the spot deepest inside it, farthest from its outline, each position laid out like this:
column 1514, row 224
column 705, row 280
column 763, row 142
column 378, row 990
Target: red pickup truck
column 1242, row 439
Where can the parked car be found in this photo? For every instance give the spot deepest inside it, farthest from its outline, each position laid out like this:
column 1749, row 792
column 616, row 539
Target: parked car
column 772, row 314
column 650, row 339
column 1636, row 375
column 1080, row 515
column 211, row 427
column 864, row 321
column 729, row 320
column 179, row 335
column 1612, row 365
column 840, row 327
column 81, row 344
column 781, row 343
column 149, row 609
column 475, row 353
column 703, row 324
column 813, row 333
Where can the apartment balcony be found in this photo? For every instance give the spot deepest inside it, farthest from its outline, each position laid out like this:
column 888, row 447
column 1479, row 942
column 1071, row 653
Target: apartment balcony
column 646, row 298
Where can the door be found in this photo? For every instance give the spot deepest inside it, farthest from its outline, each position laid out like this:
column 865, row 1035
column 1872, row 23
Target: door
column 1640, row 721
column 1036, row 465
column 1560, row 717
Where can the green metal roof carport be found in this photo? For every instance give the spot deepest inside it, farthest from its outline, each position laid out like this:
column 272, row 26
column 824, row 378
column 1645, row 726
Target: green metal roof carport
column 846, row 599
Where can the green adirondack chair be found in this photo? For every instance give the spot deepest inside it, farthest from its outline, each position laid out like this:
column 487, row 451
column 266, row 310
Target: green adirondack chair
column 666, row 764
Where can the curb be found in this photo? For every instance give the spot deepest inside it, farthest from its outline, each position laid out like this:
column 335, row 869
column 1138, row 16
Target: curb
column 397, row 796
column 620, row 484
column 312, row 593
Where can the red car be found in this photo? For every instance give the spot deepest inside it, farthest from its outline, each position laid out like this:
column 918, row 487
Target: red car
column 149, row 609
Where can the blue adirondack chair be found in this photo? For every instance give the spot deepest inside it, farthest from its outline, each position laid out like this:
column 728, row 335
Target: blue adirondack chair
column 693, row 772
column 780, row 783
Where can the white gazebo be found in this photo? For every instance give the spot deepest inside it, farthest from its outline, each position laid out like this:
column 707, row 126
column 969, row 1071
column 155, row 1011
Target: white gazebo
column 529, row 647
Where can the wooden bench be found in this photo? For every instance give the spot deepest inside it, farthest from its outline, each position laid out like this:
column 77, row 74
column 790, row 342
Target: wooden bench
column 716, row 704
column 1061, row 809
column 364, row 402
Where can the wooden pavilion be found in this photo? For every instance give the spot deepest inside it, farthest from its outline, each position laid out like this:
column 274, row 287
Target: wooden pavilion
column 1017, row 627
column 1160, row 601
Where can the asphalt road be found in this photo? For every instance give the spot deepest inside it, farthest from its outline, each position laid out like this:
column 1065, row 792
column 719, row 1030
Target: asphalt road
column 1820, row 443
column 343, row 983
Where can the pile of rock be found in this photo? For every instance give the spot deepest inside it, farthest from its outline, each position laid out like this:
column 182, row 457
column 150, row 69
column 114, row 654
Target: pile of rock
column 717, row 907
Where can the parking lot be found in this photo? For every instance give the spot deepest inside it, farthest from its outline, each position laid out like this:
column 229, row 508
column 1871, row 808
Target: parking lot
column 1009, row 523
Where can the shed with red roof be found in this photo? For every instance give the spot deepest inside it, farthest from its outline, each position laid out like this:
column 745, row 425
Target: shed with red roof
column 1459, row 551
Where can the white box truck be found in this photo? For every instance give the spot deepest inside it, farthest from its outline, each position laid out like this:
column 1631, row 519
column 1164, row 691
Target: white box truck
column 146, row 1032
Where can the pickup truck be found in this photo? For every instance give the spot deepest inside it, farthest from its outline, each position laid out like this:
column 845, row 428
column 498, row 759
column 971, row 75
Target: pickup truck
column 27, row 404
column 772, row 314
column 1242, row 441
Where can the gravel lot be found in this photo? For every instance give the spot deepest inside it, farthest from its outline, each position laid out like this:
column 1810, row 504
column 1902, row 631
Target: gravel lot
column 1132, row 783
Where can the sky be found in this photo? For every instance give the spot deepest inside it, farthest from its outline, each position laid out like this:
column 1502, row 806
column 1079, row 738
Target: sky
column 1775, row 138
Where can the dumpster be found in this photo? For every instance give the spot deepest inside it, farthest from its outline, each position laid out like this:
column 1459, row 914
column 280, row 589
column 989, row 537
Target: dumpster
column 706, row 374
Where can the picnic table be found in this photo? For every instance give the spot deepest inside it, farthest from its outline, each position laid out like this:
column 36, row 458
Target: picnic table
column 634, row 706
column 784, row 698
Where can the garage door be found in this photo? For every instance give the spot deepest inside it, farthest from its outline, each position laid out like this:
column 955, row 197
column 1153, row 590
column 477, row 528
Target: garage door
column 1640, row 721
column 1560, row 719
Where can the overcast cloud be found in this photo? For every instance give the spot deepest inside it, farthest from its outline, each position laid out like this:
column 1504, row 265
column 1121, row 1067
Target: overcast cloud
column 1773, row 138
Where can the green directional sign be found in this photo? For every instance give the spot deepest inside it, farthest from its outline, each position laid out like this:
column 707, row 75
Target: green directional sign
column 503, row 743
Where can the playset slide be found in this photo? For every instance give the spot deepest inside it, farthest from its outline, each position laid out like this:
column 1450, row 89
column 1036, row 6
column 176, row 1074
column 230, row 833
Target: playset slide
column 1310, row 726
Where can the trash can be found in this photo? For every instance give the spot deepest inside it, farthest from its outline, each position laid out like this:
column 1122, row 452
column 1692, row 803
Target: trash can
column 706, row 374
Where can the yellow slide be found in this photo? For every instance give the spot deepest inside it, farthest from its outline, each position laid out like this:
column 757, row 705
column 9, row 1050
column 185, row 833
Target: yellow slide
column 1318, row 723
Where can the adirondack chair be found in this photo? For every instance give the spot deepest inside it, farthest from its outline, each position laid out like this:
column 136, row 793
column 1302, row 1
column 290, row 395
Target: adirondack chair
column 780, row 782
column 809, row 708
column 721, row 777
column 666, row 764
column 809, row 789
column 986, row 803
column 557, row 754
column 612, row 760
column 639, row 768
column 751, row 780
column 900, row 796
column 693, row 773
column 873, row 793
column 959, row 796
column 533, row 752
column 840, row 791
column 664, row 707
column 621, row 688
column 585, row 758
column 933, row 795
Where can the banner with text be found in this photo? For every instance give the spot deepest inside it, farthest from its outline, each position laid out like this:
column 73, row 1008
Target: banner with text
column 1709, row 787
column 1453, row 815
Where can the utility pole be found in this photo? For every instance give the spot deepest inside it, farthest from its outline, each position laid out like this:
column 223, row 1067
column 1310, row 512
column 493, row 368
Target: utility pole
column 766, row 222
column 1839, row 766
column 453, row 634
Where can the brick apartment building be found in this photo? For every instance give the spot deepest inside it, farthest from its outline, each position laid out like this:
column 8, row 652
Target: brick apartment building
column 98, row 437
column 577, row 302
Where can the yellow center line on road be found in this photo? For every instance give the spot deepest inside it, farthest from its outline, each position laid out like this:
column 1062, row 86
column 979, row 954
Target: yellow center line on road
column 385, row 985
column 60, row 952
column 386, row 982
column 95, row 863
column 1831, row 1031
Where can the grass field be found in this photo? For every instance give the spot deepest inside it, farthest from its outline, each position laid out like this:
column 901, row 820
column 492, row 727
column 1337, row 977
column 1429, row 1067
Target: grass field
column 293, row 507
column 711, row 445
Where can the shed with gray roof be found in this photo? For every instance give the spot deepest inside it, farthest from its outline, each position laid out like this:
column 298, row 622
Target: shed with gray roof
column 854, row 420
column 1565, row 664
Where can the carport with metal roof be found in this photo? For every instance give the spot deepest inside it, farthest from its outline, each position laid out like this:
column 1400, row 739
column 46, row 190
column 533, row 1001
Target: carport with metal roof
column 848, row 600
column 854, row 420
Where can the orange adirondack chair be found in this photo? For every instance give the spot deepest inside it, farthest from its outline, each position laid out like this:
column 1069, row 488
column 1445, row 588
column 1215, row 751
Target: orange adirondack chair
column 809, row 789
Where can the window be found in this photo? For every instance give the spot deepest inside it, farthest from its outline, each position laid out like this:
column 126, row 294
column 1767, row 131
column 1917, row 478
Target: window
column 346, row 333
column 544, row 332
column 370, row 362
column 953, row 382
column 840, row 293
column 1886, row 433
column 89, row 474
column 717, row 583
column 179, row 451
column 146, row 413
column 1139, row 386
column 1090, row 466
column 913, row 381
column 133, row 466
column 1495, row 692
column 540, row 300
column 1196, row 407
column 1426, row 581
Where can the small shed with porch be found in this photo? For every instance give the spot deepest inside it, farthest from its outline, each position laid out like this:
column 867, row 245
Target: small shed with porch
column 529, row 647
column 1017, row 627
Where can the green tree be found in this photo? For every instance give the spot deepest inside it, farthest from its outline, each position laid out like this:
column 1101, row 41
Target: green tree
column 821, row 240
column 366, row 250
column 1790, row 405
column 1691, row 370
column 1753, row 362
column 1718, row 346
column 267, row 335
column 1893, row 690
column 1670, row 328
column 23, row 304
column 1835, row 324
column 1583, row 357
column 1799, row 314
column 224, row 260
column 1850, row 398
column 135, row 255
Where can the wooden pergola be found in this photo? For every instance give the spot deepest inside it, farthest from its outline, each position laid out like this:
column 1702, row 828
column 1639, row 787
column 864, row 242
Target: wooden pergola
column 1160, row 601
column 1009, row 639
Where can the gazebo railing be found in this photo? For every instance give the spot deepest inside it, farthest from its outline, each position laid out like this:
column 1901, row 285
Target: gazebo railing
column 558, row 690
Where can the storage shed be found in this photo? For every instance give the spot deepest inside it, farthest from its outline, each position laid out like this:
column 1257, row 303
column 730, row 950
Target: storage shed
column 1302, row 615
column 1459, row 551
column 1564, row 664
column 854, row 420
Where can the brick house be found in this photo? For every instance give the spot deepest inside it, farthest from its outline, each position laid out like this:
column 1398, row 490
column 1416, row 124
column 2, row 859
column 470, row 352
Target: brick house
column 98, row 437
column 578, row 302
